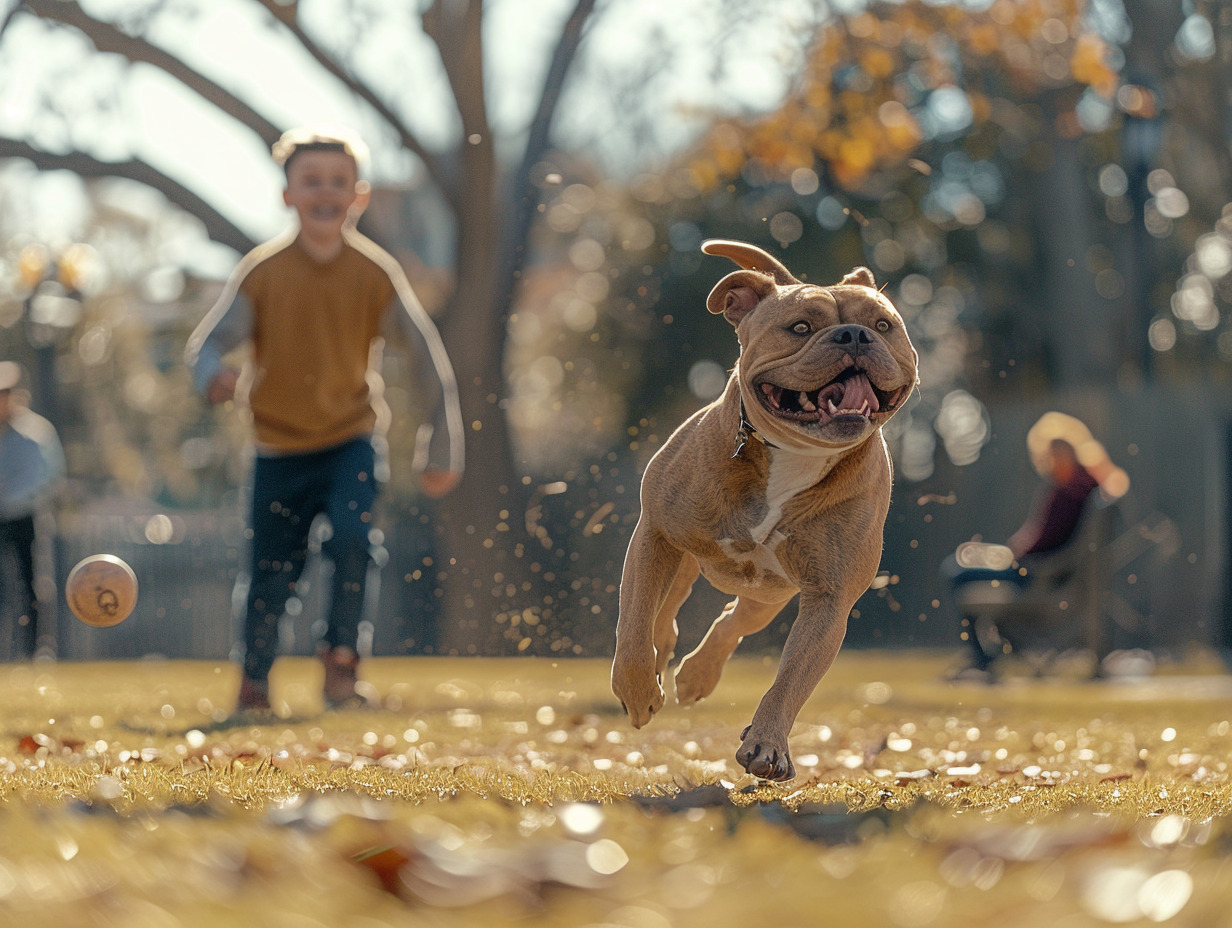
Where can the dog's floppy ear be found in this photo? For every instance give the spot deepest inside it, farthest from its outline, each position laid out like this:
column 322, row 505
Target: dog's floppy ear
column 751, row 258
column 737, row 294
column 860, row 276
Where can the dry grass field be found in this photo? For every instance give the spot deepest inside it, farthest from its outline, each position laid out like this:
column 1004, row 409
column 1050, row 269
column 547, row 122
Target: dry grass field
column 511, row 791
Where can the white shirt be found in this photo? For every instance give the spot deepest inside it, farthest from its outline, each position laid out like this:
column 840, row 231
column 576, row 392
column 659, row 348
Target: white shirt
column 31, row 463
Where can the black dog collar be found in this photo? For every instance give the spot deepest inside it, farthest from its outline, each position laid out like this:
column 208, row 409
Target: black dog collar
column 747, row 431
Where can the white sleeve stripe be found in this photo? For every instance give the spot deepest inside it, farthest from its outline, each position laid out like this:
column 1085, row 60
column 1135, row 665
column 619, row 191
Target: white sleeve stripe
column 427, row 330
column 225, row 299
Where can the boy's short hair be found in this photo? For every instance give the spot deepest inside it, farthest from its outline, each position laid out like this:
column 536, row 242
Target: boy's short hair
column 319, row 138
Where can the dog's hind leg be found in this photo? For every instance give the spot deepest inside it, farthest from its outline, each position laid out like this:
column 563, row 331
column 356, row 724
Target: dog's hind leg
column 698, row 674
column 665, row 628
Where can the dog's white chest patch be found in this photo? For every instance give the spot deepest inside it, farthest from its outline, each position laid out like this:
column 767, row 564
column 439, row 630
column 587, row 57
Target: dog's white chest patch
column 790, row 474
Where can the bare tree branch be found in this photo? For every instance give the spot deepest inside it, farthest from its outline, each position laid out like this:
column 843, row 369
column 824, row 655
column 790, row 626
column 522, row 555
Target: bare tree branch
column 217, row 226
column 457, row 31
column 408, row 138
column 525, row 194
column 107, row 38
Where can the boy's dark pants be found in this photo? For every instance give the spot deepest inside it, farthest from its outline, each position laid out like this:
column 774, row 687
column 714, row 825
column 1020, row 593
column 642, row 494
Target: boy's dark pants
column 288, row 493
column 17, row 548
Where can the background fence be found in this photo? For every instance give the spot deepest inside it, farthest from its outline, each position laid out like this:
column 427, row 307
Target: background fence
column 1173, row 573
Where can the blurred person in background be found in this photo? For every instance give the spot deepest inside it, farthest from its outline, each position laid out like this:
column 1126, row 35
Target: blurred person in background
column 31, row 468
column 1074, row 466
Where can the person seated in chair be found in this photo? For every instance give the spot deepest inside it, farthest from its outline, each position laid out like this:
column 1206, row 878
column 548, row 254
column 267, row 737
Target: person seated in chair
column 1075, row 466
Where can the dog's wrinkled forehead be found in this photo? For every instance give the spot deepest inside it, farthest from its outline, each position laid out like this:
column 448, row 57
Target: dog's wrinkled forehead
column 764, row 280
column 857, row 298
column 844, row 299
column 820, row 306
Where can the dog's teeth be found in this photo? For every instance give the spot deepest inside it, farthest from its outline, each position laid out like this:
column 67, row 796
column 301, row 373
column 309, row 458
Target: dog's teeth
column 833, row 408
column 773, row 394
column 806, row 402
column 864, row 409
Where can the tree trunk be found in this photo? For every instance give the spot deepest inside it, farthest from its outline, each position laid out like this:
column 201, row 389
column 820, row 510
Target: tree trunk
column 482, row 521
column 476, row 533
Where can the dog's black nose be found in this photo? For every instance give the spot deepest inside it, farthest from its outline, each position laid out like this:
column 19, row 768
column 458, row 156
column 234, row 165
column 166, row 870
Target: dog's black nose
column 852, row 337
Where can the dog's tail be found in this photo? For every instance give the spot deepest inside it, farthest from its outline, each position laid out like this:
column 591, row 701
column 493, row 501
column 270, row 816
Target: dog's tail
column 751, row 258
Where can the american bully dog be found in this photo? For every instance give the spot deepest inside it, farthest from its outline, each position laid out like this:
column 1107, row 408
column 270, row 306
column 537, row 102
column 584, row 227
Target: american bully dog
column 780, row 486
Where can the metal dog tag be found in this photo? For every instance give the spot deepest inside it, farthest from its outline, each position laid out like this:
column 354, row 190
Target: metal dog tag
column 742, row 439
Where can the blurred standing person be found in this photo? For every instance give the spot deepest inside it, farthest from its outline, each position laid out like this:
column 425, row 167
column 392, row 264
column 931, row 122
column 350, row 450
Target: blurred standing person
column 314, row 305
column 31, row 467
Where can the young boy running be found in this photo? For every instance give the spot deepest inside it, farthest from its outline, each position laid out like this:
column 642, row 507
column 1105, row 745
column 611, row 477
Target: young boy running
column 314, row 304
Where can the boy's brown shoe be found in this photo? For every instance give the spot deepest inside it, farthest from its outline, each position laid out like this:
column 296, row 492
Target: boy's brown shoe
column 254, row 696
column 341, row 666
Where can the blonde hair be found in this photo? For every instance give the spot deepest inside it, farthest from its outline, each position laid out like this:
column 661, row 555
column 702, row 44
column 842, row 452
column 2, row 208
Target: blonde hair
column 1058, row 427
column 320, row 138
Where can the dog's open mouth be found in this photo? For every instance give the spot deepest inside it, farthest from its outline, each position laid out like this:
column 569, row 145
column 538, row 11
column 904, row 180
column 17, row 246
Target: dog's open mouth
column 849, row 394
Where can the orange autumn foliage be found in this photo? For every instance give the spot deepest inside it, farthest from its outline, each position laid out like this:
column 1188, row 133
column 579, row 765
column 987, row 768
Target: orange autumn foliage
column 857, row 102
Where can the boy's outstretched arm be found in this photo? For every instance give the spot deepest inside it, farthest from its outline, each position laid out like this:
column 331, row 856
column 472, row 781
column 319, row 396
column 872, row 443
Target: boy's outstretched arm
column 227, row 325
column 440, row 453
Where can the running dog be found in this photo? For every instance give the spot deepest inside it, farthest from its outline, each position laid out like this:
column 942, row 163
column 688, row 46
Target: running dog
column 779, row 487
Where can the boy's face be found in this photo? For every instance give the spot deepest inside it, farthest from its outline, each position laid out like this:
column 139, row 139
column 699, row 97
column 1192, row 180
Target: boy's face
column 321, row 189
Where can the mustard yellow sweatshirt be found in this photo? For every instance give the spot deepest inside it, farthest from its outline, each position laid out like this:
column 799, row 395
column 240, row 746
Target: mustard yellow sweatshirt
column 316, row 330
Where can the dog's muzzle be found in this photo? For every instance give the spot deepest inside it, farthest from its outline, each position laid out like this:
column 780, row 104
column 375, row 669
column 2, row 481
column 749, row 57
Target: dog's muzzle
column 852, row 393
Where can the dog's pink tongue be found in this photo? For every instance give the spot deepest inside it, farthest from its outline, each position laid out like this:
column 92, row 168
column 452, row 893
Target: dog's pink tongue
column 856, row 392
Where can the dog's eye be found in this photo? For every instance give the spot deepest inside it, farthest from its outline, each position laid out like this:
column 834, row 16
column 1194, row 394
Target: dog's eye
column 883, row 325
column 802, row 328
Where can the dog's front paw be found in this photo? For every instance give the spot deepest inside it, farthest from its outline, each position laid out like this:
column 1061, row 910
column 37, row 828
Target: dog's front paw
column 765, row 757
column 637, row 687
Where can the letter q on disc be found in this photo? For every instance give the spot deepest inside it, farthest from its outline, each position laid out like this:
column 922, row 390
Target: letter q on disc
column 101, row 590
